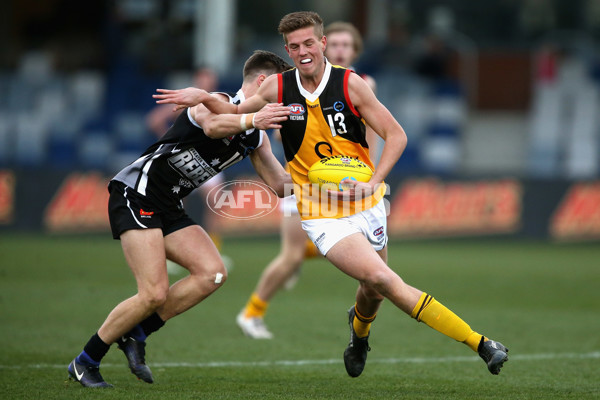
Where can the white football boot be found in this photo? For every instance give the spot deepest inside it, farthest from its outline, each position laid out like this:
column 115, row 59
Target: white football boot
column 254, row 328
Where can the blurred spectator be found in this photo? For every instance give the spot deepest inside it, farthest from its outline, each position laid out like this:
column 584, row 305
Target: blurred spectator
column 432, row 60
column 563, row 134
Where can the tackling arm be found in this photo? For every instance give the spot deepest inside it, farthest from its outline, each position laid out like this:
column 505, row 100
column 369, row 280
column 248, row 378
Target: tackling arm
column 217, row 126
column 188, row 97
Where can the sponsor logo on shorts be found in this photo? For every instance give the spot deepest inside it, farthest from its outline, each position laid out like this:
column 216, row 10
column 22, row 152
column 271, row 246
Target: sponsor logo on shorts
column 320, row 239
column 146, row 214
column 378, row 231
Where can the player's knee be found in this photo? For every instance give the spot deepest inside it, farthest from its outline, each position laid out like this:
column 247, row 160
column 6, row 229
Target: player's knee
column 154, row 298
column 377, row 281
column 294, row 257
column 370, row 292
column 216, row 274
column 220, row 276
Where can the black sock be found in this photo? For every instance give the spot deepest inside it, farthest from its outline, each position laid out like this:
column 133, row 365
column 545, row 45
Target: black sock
column 96, row 348
column 152, row 324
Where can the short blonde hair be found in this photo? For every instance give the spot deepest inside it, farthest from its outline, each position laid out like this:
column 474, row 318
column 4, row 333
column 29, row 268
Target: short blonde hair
column 340, row 26
column 298, row 20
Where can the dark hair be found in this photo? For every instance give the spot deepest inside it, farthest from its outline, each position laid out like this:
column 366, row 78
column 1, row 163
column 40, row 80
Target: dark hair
column 298, row 20
column 340, row 26
column 264, row 62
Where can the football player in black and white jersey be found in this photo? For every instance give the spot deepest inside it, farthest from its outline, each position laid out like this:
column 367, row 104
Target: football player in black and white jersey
column 146, row 213
column 158, row 120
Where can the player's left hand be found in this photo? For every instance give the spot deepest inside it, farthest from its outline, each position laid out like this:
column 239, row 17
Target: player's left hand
column 182, row 98
column 353, row 190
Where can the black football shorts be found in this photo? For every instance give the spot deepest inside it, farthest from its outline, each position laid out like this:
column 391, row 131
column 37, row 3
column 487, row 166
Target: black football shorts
column 129, row 210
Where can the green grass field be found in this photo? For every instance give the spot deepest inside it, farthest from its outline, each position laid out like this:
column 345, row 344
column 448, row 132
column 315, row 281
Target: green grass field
column 541, row 300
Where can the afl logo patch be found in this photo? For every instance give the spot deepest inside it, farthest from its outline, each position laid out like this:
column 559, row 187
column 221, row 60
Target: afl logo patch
column 338, row 106
column 378, row 231
column 297, row 109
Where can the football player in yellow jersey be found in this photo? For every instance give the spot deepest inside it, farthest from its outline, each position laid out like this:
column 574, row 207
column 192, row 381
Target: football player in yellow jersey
column 328, row 106
column 344, row 46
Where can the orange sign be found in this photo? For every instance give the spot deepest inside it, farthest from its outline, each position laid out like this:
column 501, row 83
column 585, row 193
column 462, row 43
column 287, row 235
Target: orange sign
column 433, row 208
column 7, row 197
column 578, row 215
column 81, row 204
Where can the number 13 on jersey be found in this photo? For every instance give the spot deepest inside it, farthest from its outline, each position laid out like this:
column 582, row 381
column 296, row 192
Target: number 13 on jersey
column 338, row 119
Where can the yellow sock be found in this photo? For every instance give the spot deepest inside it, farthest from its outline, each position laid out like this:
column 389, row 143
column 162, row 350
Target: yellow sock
column 216, row 238
column 362, row 324
column 440, row 318
column 256, row 307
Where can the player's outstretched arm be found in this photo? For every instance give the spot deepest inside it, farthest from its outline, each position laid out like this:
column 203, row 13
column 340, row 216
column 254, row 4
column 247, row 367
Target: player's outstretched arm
column 191, row 96
column 270, row 169
column 188, row 97
column 182, row 98
column 217, row 126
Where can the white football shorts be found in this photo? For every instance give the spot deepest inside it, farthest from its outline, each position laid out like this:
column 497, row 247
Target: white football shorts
column 372, row 223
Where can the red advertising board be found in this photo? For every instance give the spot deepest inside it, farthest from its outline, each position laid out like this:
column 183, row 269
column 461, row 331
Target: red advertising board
column 80, row 204
column 7, row 197
column 577, row 217
column 430, row 207
column 419, row 208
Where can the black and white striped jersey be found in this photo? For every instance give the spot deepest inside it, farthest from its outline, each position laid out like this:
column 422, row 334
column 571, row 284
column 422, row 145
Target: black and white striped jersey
column 184, row 158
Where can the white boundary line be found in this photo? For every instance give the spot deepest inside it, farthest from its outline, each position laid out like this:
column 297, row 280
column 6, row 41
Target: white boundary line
column 294, row 363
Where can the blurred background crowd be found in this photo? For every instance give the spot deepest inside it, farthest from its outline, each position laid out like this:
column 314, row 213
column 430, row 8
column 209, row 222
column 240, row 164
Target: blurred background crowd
column 482, row 88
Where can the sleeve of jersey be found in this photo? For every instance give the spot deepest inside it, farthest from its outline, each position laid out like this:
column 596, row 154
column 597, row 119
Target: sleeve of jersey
column 260, row 139
column 347, row 93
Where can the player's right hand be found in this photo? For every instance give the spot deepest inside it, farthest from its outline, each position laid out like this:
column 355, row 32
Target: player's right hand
column 182, row 98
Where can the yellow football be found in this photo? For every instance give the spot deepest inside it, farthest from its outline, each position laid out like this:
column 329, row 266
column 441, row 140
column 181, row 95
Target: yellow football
column 329, row 172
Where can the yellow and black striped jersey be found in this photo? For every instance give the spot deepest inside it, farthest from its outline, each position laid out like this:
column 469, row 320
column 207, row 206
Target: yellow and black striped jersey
column 322, row 124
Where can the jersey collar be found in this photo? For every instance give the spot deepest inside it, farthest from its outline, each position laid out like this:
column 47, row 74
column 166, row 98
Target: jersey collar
column 239, row 96
column 315, row 95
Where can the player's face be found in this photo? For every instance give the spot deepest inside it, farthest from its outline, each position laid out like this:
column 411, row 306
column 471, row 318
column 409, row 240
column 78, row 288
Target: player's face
column 306, row 50
column 340, row 49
